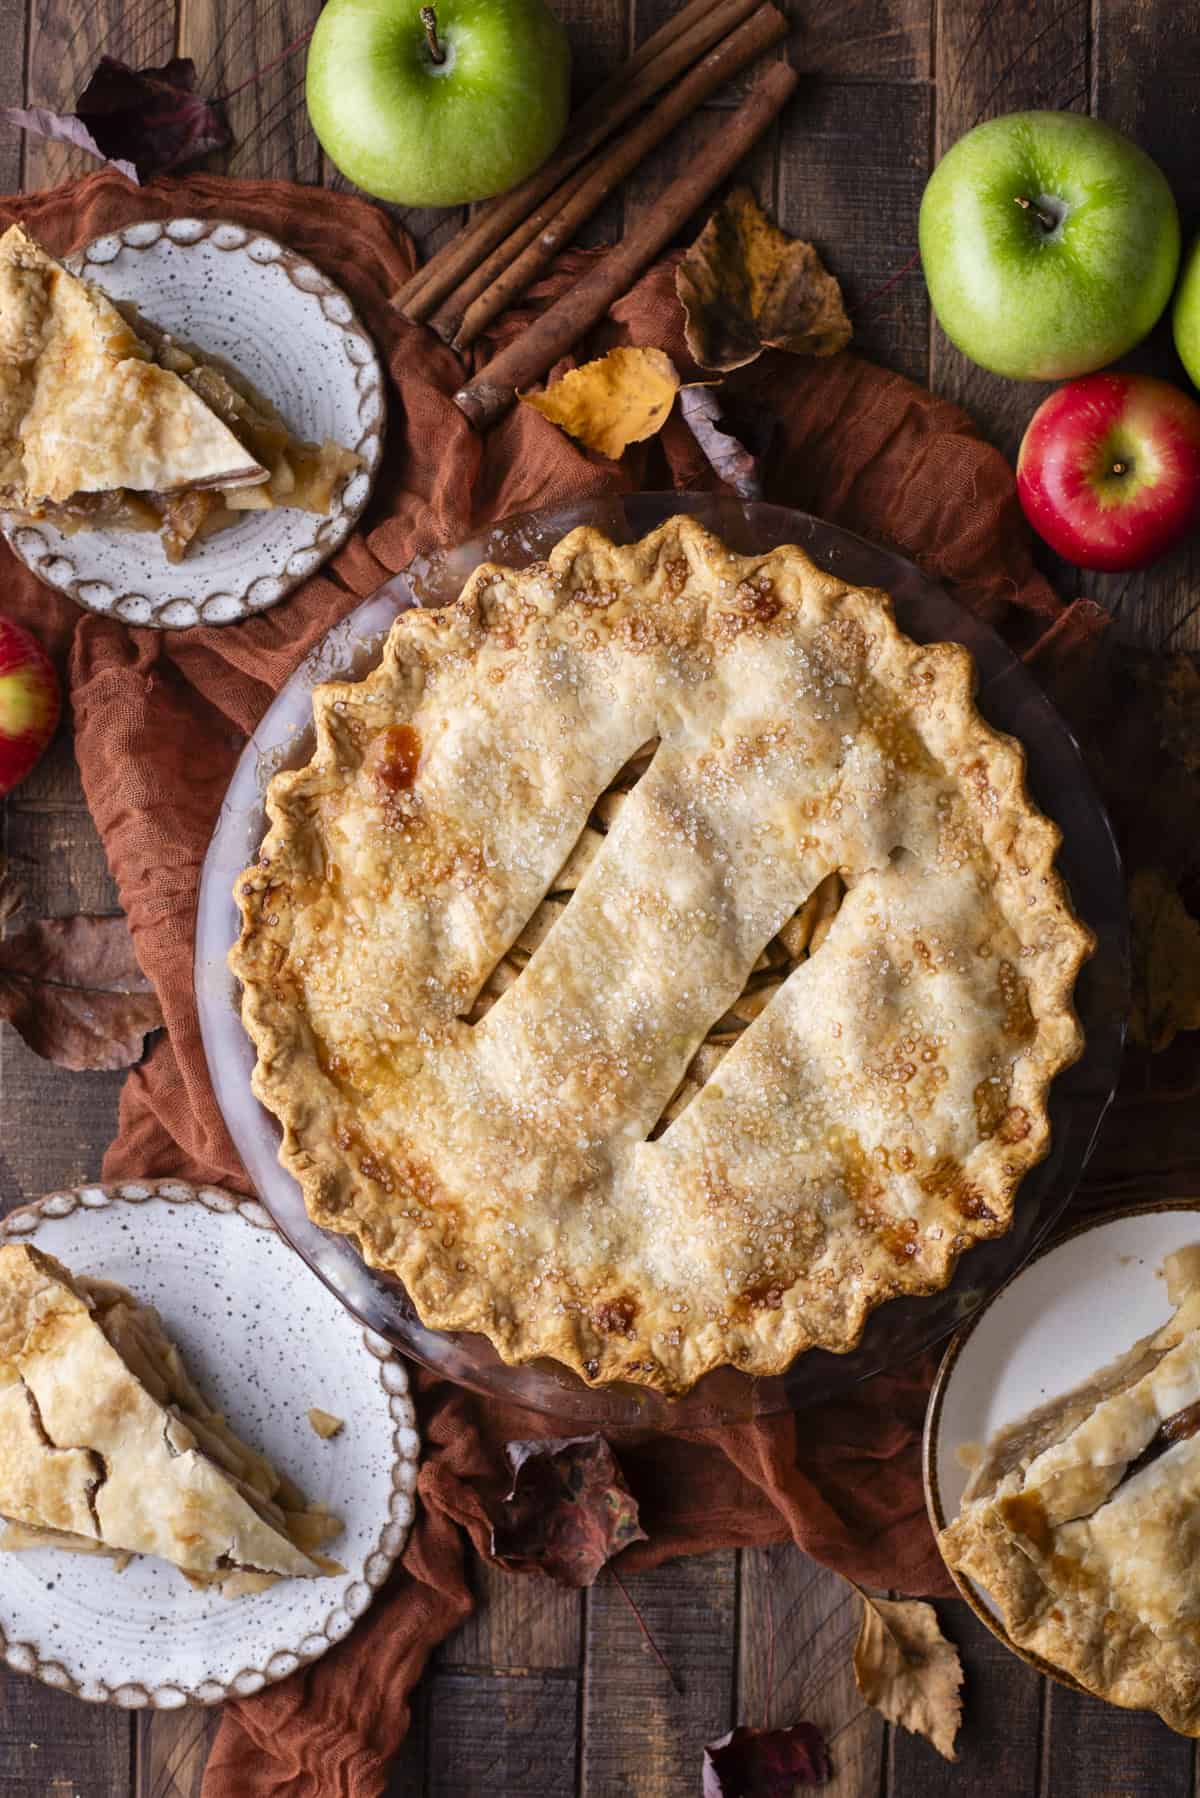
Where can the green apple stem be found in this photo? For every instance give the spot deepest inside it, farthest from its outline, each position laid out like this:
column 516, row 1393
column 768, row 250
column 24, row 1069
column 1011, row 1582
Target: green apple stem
column 429, row 20
column 1045, row 219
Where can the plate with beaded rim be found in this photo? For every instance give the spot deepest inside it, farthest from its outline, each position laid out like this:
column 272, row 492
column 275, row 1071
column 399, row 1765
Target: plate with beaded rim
column 290, row 331
column 266, row 1341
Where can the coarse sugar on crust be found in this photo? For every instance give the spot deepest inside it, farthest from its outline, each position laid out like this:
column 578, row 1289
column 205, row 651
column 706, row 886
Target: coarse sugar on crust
column 474, row 1009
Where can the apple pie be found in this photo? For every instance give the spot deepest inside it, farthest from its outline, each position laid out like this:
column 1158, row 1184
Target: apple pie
column 660, row 962
column 1083, row 1522
column 108, row 1447
column 109, row 423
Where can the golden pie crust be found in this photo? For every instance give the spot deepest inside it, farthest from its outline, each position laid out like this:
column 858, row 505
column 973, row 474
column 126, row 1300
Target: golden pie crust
column 107, row 1446
column 1083, row 1523
column 485, row 1127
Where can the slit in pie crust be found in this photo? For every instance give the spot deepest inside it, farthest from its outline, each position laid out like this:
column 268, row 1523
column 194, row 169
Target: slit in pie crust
column 654, row 1074
column 107, row 1446
column 1083, row 1523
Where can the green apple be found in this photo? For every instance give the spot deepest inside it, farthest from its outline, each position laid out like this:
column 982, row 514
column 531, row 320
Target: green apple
column 435, row 107
column 1050, row 244
column 1186, row 317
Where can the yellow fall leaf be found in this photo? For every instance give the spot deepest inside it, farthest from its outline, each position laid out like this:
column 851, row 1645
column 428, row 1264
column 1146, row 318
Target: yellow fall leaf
column 617, row 400
column 906, row 1669
column 746, row 286
column 1166, row 960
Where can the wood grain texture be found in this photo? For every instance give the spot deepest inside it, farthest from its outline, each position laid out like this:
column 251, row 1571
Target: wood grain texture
column 65, row 43
column 521, row 1623
column 864, row 40
column 266, row 111
column 170, row 1749
column 999, row 1742
column 639, row 1735
column 853, row 155
column 52, row 1746
column 492, row 1733
column 1090, row 1753
column 797, row 1628
column 13, row 29
column 1147, row 89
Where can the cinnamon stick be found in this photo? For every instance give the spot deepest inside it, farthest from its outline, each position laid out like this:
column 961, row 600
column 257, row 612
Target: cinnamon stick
column 663, row 58
column 511, row 268
column 493, row 389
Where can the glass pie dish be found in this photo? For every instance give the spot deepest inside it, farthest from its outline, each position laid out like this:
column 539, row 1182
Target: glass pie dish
column 1007, row 696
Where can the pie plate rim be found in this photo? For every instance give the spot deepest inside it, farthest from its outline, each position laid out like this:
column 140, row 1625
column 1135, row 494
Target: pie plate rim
column 295, row 1622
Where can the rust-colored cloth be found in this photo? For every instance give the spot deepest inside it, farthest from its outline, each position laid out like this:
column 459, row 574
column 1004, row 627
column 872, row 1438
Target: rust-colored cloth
column 160, row 719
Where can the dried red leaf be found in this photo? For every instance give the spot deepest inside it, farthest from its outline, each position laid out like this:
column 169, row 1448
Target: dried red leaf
column 143, row 122
column 766, row 1763
column 73, row 989
column 728, row 457
column 569, row 1510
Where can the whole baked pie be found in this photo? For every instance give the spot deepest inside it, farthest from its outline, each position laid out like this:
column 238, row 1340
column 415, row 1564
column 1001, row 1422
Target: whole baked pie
column 107, row 1446
column 660, row 962
column 1083, row 1521
column 109, row 423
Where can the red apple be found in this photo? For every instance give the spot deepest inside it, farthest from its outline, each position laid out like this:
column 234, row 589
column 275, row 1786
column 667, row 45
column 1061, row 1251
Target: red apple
column 30, row 702
column 1109, row 469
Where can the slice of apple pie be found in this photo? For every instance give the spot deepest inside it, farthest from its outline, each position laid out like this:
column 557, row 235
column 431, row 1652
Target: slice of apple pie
column 1083, row 1521
column 108, row 422
column 108, row 1447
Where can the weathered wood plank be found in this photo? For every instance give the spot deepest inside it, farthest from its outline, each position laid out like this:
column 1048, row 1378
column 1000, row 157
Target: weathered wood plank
column 998, row 1743
column 255, row 55
column 797, row 1627
column 171, row 1749
column 863, row 40
column 492, row 1733
column 13, row 29
column 1090, row 1751
column 852, row 165
column 989, row 60
column 639, row 1735
column 52, row 1746
column 1151, row 95
column 57, row 859
column 521, row 1622
column 65, row 44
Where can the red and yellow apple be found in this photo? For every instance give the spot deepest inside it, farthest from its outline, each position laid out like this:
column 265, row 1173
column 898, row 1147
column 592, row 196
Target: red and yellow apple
column 1109, row 469
column 30, row 702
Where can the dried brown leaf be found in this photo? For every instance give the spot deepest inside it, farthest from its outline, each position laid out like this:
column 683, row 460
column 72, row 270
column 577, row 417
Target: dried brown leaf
column 745, row 286
column 569, row 1510
column 1166, row 960
column 728, row 457
column 141, row 121
column 908, row 1671
column 617, row 400
column 73, row 989
column 766, row 1763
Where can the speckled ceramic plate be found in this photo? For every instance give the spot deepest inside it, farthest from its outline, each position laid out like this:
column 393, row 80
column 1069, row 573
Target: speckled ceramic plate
column 1071, row 1310
column 290, row 331
column 266, row 1340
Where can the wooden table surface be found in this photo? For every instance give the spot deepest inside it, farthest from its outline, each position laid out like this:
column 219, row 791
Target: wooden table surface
column 542, row 1692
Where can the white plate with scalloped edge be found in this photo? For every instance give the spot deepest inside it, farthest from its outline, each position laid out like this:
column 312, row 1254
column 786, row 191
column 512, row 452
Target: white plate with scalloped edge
column 266, row 1341
column 285, row 326
column 1071, row 1310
